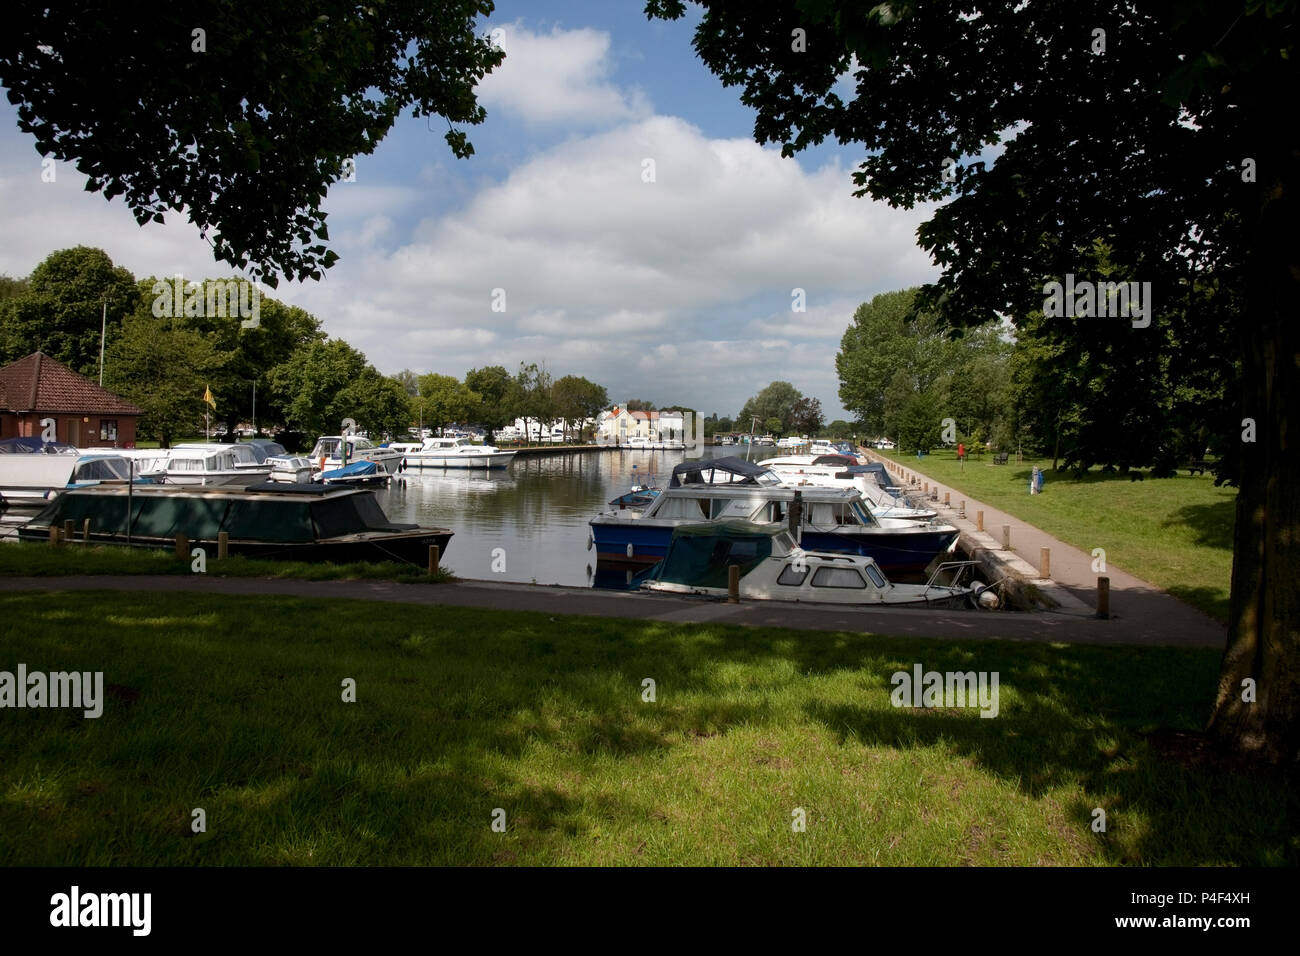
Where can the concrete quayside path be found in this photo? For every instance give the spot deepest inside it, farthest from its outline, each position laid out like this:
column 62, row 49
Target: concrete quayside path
column 1134, row 627
column 1137, row 607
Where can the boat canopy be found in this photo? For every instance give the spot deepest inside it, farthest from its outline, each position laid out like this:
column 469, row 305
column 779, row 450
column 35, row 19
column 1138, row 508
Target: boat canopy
column 29, row 446
column 726, row 470
column 877, row 471
column 262, row 517
column 700, row 554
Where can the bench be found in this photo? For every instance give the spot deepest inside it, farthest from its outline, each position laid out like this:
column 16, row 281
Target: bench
column 1197, row 467
column 1000, row 458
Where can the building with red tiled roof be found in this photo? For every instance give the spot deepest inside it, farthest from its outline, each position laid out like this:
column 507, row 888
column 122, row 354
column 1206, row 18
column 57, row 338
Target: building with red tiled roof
column 37, row 388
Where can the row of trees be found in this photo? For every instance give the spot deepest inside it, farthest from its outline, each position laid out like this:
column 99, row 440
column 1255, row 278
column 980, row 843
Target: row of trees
column 301, row 380
column 1044, row 385
column 492, row 397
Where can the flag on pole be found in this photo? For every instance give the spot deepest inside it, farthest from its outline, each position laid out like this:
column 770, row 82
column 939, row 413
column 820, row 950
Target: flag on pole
column 207, row 397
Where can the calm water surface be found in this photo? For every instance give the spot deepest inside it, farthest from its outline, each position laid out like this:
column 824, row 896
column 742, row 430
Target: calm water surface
column 536, row 511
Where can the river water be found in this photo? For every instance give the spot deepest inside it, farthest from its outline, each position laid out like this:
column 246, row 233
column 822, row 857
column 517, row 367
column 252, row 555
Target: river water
column 536, row 511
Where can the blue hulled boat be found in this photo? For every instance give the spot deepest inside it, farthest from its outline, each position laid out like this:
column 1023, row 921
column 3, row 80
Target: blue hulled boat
column 723, row 489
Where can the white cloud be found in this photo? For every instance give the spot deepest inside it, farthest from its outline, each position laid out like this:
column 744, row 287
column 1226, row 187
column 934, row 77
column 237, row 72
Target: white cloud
column 677, row 290
column 561, row 77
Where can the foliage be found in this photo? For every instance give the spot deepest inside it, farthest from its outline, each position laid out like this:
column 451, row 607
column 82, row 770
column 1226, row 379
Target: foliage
column 493, row 385
column 444, row 399
column 328, row 381
column 776, row 400
column 61, row 309
column 245, row 128
column 163, row 366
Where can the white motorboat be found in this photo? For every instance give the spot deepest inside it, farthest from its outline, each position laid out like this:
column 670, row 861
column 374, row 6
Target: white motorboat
column 290, row 469
column 772, row 567
column 213, row 465
column 455, row 453
column 28, row 481
column 834, row 470
column 327, row 455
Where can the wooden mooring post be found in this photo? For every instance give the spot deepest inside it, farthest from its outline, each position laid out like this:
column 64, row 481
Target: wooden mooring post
column 433, row 559
column 1103, row 598
column 1045, row 562
column 1006, row 537
column 69, row 529
column 979, row 521
column 54, row 536
column 85, row 531
column 223, row 545
column 733, row 584
column 182, row 547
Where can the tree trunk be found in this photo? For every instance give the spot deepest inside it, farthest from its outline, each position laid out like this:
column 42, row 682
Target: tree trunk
column 1264, row 617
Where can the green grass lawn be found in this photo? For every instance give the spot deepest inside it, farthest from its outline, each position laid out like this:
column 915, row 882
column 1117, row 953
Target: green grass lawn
column 1174, row 532
column 30, row 558
column 235, row 707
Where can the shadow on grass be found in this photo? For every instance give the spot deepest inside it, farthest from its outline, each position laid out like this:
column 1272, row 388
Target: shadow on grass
column 1212, row 524
column 462, row 711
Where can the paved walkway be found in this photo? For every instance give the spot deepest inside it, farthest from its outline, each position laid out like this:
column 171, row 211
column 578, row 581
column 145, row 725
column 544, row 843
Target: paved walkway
column 1136, row 605
column 1131, row 629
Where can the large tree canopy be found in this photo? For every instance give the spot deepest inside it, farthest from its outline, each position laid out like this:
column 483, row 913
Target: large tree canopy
column 240, row 114
column 1154, row 129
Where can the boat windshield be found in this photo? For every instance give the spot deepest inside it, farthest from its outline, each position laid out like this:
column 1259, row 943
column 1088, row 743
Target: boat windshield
column 328, row 447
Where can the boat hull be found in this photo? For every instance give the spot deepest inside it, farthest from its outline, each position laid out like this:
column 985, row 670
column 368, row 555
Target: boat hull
column 895, row 551
column 420, row 461
column 411, row 547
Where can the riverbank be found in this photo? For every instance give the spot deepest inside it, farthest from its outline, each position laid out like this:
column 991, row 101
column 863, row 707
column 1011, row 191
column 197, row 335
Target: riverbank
column 592, row 742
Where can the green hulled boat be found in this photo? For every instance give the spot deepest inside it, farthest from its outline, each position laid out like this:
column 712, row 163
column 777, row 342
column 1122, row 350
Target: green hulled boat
column 287, row 522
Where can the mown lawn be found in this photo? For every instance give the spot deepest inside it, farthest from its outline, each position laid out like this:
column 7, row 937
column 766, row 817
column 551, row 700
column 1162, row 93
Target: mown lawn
column 1174, row 532
column 235, row 706
column 41, row 560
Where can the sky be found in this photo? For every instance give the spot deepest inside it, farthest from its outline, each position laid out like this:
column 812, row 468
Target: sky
column 678, row 291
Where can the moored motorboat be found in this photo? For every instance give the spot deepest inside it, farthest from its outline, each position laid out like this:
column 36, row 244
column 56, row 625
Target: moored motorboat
column 718, row 489
column 290, row 469
column 290, row 522
column 213, row 464
column 772, row 567
column 357, row 473
column 329, row 453
column 454, row 452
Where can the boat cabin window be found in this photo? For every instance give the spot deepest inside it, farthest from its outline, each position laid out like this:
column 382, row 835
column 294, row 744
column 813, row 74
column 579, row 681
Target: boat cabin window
column 877, row 578
column 732, row 508
column 793, row 577
column 838, row 578
column 682, row 507
column 186, row 464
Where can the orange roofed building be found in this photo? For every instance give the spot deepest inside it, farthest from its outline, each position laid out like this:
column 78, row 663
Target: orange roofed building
column 36, row 388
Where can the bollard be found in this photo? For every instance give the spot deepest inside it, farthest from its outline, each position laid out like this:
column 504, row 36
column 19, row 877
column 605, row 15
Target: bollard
column 925, row 488
column 1103, row 598
column 69, row 530
column 962, row 510
column 223, row 545
column 182, row 547
column 433, row 560
column 54, row 536
column 979, row 521
column 85, row 531
column 1006, row 537
column 946, row 502
column 1045, row 562
column 733, row 584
